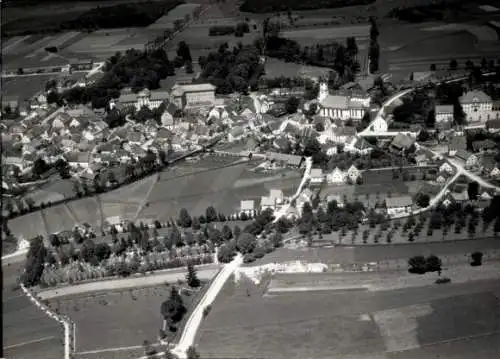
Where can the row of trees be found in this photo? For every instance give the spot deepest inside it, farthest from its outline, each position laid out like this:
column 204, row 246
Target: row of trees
column 374, row 50
column 239, row 30
column 272, row 6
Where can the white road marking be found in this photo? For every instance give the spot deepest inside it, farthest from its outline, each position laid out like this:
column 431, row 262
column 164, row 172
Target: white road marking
column 29, row 342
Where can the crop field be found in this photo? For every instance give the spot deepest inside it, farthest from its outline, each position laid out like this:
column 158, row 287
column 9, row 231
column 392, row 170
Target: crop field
column 57, row 218
column 133, row 193
column 352, row 324
column 24, row 86
column 86, row 210
column 277, row 68
column 28, row 226
column 106, row 312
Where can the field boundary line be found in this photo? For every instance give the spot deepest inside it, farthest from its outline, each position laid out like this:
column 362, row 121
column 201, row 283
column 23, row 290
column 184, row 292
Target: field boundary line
column 29, row 342
column 144, row 200
column 70, row 213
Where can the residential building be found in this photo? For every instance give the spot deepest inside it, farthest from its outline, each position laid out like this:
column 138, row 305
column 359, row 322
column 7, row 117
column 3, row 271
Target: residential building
column 277, row 196
column 247, row 206
column 284, row 159
column 339, row 106
column 316, row 176
column 446, row 168
column 378, row 125
column 477, row 105
column 194, row 95
column 353, row 173
column 337, row 176
column 470, row 159
column 343, row 134
column 402, row 142
column 457, row 143
column 484, row 146
column 358, row 145
column 399, row 205
column 421, row 160
column 489, row 167
column 235, row 133
column 168, row 117
column 443, row 114
column 267, row 202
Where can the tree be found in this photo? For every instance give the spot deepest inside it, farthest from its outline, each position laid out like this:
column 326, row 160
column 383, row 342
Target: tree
column 184, row 52
column 422, row 200
column 453, row 64
column 40, row 167
column 184, row 218
column 292, row 104
column 433, row 67
column 102, row 251
column 227, row 233
column 191, row 353
column 192, row 276
column 473, row 190
column 246, row 243
column 211, row 214
column 87, row 252
column 320, row 127
column 173, row 309
column 417, row 265
column 477, row 259
column 34, row 262
column 433, row 264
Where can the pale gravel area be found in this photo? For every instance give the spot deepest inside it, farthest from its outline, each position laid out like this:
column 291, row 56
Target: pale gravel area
column 158, row 278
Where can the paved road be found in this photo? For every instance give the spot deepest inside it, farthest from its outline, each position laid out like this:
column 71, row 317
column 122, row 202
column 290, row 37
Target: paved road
column 194, row 321
column 205, row 272
column 27, row 332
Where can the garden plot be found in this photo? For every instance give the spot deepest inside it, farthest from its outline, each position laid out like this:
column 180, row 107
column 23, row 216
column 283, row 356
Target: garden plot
column 28, row 226
column 98, row 42
column 357, row 31
column 131, row 193
column 58, row 219
column 123, row 210
column 86, row 210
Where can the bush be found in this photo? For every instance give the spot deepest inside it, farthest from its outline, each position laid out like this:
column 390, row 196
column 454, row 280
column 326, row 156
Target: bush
column 206, row 310
column 442, row 280
column 221, row 30
column 477, row 259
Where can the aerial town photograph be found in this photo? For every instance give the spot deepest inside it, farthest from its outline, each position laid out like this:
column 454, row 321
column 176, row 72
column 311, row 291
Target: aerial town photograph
column 250, row 179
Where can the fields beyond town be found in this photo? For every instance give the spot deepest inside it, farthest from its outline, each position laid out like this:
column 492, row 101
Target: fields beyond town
column 221, row 182
column 456, row 321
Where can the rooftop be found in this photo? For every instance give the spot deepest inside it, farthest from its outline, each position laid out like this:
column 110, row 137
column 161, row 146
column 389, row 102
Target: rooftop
column 398, row 201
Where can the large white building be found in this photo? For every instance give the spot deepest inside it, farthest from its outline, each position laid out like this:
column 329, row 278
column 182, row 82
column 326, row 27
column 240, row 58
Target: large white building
column 193, row 95
column 150, row 99
column 342, row 106
column 477, row 105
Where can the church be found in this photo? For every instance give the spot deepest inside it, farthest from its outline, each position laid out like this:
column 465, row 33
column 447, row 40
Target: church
column 343, row 105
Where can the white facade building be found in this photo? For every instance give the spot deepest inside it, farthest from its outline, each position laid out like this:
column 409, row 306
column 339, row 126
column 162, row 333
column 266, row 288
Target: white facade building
column 342, row 106
column 477, row 105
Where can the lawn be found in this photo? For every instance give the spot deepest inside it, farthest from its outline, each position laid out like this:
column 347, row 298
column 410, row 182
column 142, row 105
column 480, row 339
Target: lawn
column 105, row 311
column 86, row 210
column 346, row 324
column 58, row 218
column 25, row 86
column 28, row 226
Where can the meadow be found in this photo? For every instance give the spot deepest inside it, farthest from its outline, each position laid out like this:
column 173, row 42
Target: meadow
column 352, row 324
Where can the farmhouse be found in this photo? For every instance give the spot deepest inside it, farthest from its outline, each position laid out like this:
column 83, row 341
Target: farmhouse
column 399, row 205
column 317, row 176
column 443, row 114
column 470, row 159
column 149, row 99
column 194, row 95
column 402, row 142
column 477, row 105
column 339, row 106
column 337, row 176
column 284, row 159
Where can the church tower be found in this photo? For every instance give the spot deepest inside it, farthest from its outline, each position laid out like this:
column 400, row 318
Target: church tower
column 323, row 91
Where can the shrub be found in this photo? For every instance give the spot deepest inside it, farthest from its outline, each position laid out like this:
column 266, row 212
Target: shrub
column 477, row 259
column 221, row 30
column 206, row 310
column 443, row 280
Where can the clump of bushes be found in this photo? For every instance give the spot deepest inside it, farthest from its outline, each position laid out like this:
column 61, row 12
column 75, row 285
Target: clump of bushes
column 223, row 30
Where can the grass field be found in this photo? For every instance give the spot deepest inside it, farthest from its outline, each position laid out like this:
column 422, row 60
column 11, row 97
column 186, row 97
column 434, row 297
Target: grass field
column 24, row 86
column 28, row 226
column 348, row 325
column 86, row 210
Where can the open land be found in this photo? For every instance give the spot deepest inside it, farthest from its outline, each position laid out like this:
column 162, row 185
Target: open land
column 212, row 181
column 455, row 320
column 105, row 310
column 26, row 329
